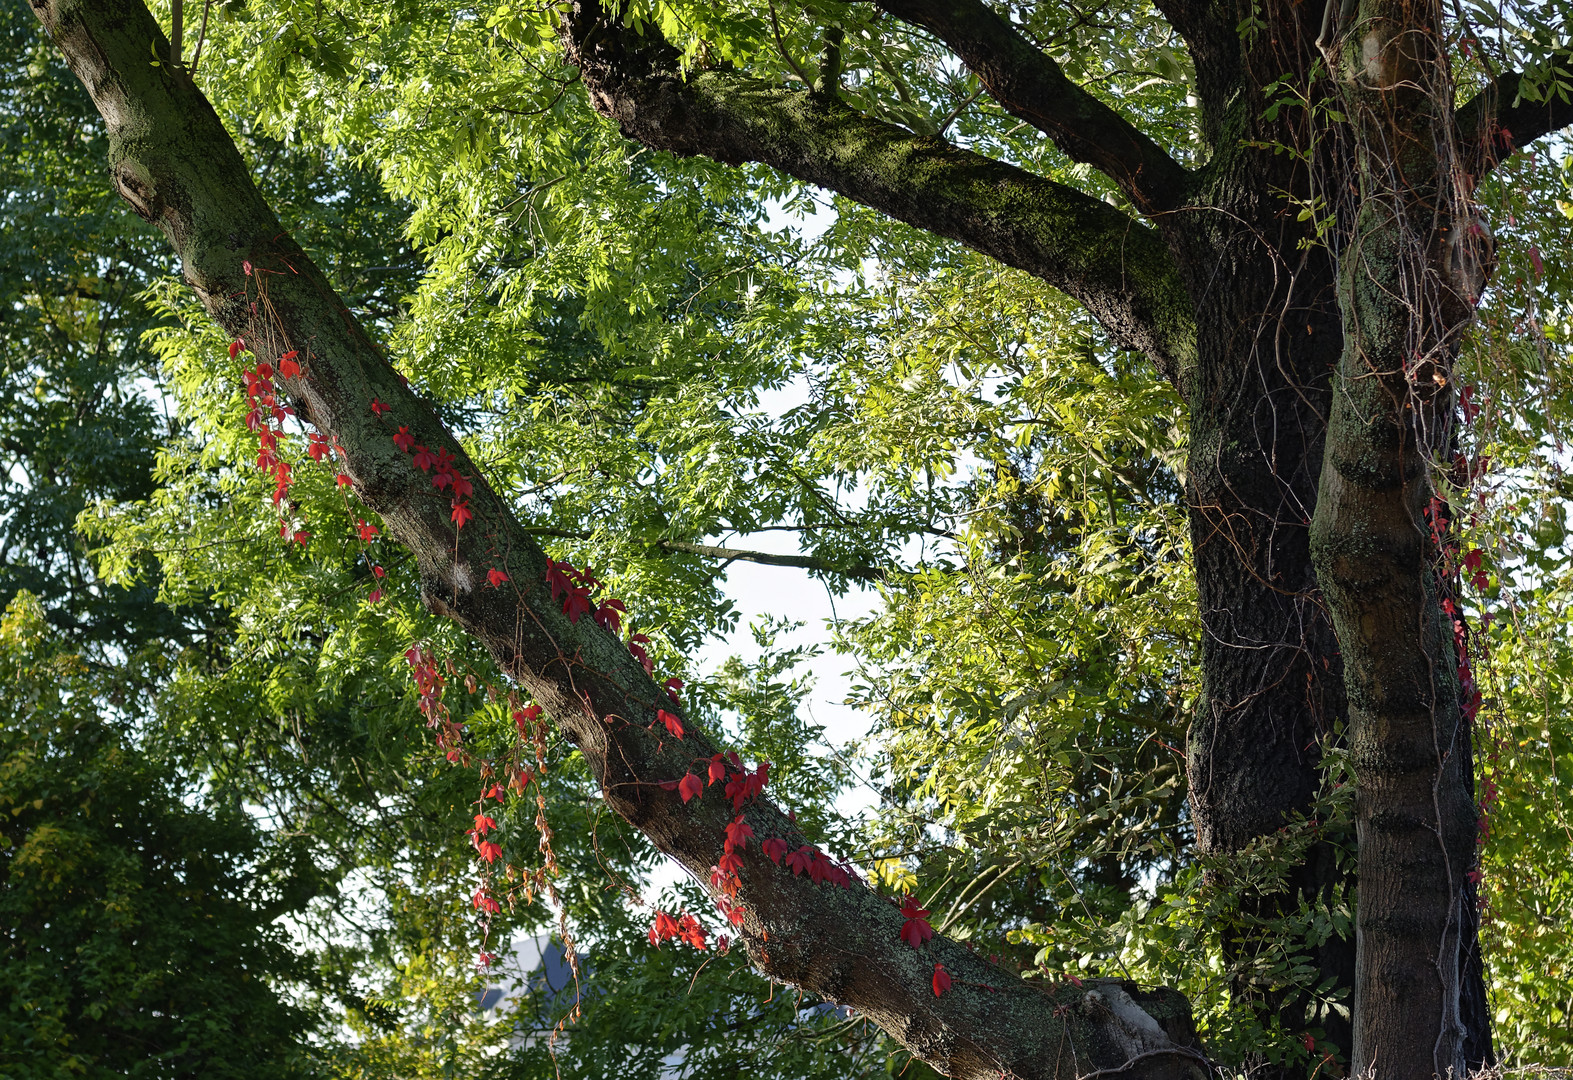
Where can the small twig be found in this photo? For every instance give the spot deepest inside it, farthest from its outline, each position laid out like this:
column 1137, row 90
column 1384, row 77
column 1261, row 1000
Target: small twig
column 202, row 34
column 775, row 28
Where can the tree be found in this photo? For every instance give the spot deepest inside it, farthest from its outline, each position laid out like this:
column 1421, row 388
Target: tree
column 1153, row 289
column 105, row 867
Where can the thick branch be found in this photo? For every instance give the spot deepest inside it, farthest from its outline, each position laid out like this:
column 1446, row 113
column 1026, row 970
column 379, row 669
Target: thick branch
column 1496, row 121
column 174, row 163
column 1117, row 267
column 1031, row 86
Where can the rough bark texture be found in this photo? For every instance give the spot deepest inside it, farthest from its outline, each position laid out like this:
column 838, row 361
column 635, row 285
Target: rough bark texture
column 1269, row 335
column 1409, row 278
column 176, row 166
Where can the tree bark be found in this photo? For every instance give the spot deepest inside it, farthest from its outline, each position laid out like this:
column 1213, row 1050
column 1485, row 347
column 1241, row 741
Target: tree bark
column 173, row 162
column 1273, row 693
column 1410, row 274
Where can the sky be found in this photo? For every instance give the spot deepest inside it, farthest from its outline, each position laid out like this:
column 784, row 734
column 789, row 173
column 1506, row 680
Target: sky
column 789, row 593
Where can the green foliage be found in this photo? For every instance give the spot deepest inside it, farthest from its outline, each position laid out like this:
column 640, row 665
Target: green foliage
column 1511, row 490
column 74, row 423
column 139, row 914
column 648, row 352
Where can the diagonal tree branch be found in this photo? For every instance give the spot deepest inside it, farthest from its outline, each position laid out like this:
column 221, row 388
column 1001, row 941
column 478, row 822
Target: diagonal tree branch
column 174, row 163
column 1496, row 121
column 1116, row 266
column 1030, row 86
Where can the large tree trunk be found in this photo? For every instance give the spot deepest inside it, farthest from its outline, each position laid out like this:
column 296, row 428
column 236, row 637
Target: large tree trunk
column 1410, row 272
column 1268, row 338
column 1273, row 693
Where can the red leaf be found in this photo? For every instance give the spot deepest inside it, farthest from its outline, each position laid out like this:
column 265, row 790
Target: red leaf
column 729, row 863
column 664, row 927
column 493, row 792
column 691, row 932
column 801, row 859
column 576, row 604
column 690, row 787
column 557, row 578
column 367, row 532
column 462, row 487
column 774, row 848
column 379, row 407
column 717, row 769
column 343, row 480
column 376, row 595
column 488, row 850
column 1539, row 267
column 301, row 536
column 245, row 264
column 483, row 902
column 1468, row 405
column 916, row 930
column 288, row 367
column 378, row 572
column 424, row 459
column 483, row 823
column 403, row 439
column 461, row 513
column 636, row 644
column 610, row 614
column 673, row 724
column 672, row 687
column 737, row 834
column 495, row 577
column 941, row 979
